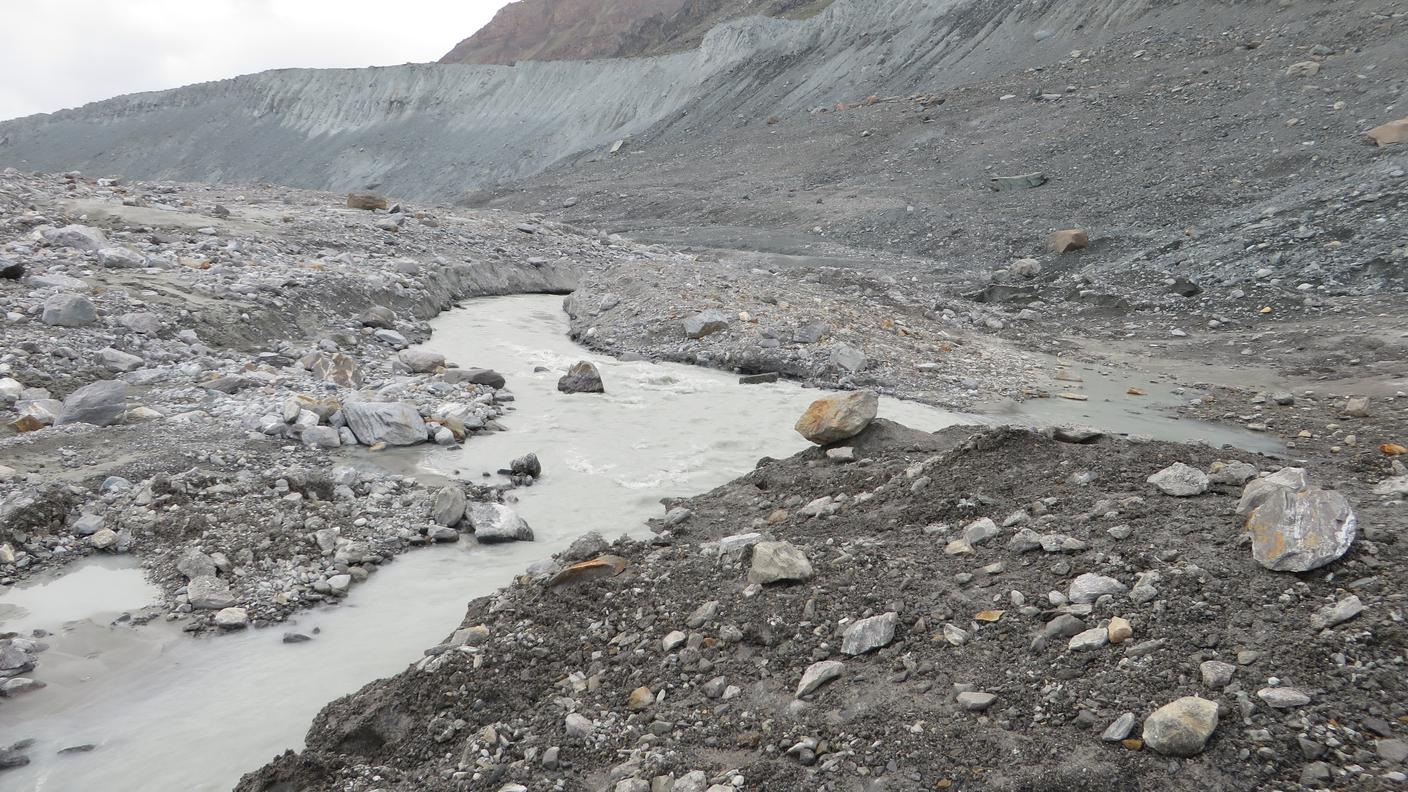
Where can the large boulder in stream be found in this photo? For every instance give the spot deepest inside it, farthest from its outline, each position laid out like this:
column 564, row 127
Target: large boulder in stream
column 495, row 522
column 581, row 378
column 836, row 418
column 393, row 423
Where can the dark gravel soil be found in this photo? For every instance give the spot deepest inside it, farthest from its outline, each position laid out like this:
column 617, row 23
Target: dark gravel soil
column 492, row 713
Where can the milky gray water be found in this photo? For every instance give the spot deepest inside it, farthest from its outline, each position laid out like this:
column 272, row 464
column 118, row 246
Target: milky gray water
column 169, row 712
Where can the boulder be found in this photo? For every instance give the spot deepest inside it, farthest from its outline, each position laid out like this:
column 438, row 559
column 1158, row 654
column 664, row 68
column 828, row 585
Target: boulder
column 1025, row 268
column 1257, row 490
column 775, row 562
column 705, row 323
column 474, row 376
column 79, row 237
column 835, row 418
column 581, row 378
column 101, row 403
column 1067, row 240
column 103, row 539
column 526, row 465
column 144, row 322
column 121, row 258
column 811, row 333
column 338, row 369
column 1389, row 134
column 366, row 200
column 379, row 316
column 867, row 635
column 448, row 505
column 1090, row 587
column 495, row 522
column 232, row 618
column 320, row 437
column 1181, row 727
column 68, row 310
column 208, row 592
column 117, row 360
column 420, row 361
column 393, row 423
column 193, row 564
column 1300, row 531
column 818, row 674
column 847, row 358
column 1180, row 480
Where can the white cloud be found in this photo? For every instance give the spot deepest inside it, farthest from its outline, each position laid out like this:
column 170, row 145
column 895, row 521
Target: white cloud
column 63, row 53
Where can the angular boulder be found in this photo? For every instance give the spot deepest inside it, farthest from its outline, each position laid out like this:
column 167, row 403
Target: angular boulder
column 778, row 562
column 836, row 418
column 1180, row 480
column 495, row 522
column 448, row 505
column 581, row 378
column 421, row 361
column 339, row 369
column 1066, row 240
column 79, row 237
column 121, row 258
column 869, row 634
column 68, row 310
column 379, row 316
column 393, row 423
column 705, row 323
column 1257, row 490
column 1300, row 531
column 101, row 403
column 1181, row 727
column 474, row 376
column 1389, row 134
column 208, row 592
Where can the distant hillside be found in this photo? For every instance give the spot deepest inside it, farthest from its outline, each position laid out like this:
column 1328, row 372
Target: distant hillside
column 586, row 29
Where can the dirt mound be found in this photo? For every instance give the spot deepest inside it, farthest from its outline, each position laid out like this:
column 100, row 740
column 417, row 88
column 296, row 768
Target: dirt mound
column 998, row 673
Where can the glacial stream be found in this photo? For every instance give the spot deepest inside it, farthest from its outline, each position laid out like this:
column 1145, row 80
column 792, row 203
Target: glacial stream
column 168, row 713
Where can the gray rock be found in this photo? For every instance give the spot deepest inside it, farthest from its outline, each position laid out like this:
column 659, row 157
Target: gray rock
column 811, row 333
column 103, row 539
column 117, row 360
column 1336, row 614
column 1120, row 729
column 495, row 522
column 818, row 674
column 1283, row 698
column 1300, row 531
column 101, row 403
column 527, row 465
column 391, row 337
column 775, row 562
column 980, row 531
column 339, row 369
column 976, row 701
column 1089, row 587
column 79, row 237
column 321, row 437
column 705, row 323
column 1257, row 490
column 208, row 592
column 393, row 423
column 581, row 378
column 847, row 358
column 1392, row 751
column 420, row 361
column 144, row 322
column 578, row 726
column 1181, row 727
column 1234, row 473
column 448, row 506
column 121, row 258
column 839, row 417
column 1216, row 674
column 1180, row 480
column 232, row 618
column 68, row 310
column 867, row 635
column 87, row 524
column 1089, row 640
column 474, row 376
column 1357, row 407
column 193, row 564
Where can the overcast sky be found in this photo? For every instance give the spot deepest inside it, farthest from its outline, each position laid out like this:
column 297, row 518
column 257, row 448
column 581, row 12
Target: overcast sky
column 62, row 53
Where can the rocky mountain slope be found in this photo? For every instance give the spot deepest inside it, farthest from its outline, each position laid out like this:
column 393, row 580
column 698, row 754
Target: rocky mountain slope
column 587, row 29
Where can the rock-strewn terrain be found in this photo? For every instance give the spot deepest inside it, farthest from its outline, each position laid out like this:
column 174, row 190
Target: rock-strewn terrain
column 999, row 610
column 547, row 30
